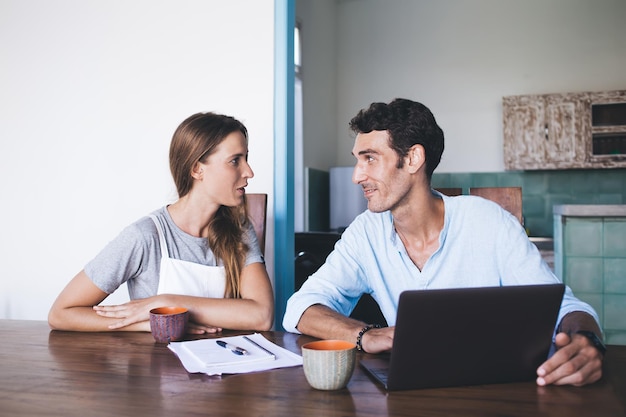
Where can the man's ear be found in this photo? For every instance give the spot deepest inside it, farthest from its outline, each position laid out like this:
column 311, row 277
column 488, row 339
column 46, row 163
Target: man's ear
column 416, row 158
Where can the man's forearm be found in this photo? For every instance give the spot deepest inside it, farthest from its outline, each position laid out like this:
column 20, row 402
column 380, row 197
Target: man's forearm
column 577, row 321
column 322, row 322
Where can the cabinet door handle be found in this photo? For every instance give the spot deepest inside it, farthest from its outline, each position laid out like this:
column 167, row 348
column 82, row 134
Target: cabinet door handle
column 546, row 131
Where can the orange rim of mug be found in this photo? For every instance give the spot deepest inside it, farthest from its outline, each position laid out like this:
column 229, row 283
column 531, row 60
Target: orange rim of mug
column 168, row 310
column 329, row 345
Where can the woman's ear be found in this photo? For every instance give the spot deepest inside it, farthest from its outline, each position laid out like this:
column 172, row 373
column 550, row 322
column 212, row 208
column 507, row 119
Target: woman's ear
column 416, row 158
column 197, row 172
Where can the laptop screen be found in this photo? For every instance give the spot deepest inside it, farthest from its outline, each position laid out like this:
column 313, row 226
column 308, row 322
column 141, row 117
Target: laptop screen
column 468, row 336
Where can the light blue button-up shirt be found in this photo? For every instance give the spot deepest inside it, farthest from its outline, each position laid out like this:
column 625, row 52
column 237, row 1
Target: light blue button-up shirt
column 480, row 245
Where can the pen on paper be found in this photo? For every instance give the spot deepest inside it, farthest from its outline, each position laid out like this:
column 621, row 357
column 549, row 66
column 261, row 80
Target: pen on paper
column 259, row 346
column 235, row 349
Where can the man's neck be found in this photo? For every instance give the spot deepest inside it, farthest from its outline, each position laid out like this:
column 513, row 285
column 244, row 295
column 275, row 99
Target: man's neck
column 419, row 225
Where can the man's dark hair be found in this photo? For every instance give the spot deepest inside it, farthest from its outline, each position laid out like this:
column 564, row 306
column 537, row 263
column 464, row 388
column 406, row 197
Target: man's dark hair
column 408, row 123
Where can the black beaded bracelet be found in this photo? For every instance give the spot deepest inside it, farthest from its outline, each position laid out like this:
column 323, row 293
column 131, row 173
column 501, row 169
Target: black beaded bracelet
column 364, row 330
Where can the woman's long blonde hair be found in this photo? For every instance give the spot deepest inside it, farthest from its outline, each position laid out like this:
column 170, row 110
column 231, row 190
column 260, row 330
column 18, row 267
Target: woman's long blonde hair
column 194, row 141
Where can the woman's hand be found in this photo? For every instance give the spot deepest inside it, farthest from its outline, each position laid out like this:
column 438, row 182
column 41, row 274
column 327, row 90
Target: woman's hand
column 196, row 328
column 135, row 311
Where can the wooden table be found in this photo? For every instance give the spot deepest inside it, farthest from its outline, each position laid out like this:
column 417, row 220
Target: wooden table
column 50, row 373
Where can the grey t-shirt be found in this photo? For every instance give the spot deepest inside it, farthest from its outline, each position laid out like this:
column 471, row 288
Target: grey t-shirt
column 134, row 256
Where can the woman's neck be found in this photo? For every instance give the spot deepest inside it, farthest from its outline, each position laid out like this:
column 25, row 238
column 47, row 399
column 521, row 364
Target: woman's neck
column 192, row 217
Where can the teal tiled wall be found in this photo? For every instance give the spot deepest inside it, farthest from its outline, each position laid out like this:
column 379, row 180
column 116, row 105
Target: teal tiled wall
column 590, row 257
column 541, row 190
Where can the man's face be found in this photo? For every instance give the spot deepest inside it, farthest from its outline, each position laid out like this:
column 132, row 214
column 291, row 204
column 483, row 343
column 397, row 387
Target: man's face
column 384, row 185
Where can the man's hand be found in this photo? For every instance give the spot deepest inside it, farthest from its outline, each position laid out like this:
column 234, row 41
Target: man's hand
column 378, row 340
column 576, row 362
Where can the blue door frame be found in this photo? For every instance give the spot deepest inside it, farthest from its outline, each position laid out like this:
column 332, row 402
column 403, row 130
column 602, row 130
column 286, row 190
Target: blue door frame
column 284, row 79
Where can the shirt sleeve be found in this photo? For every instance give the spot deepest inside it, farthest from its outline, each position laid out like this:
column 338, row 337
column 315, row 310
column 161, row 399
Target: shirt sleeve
column 522, row 263
column 337, row 284
column 120, row 260
column 254, row 251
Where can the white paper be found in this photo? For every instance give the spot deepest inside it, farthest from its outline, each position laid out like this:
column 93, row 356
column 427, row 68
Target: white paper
column 206, row 356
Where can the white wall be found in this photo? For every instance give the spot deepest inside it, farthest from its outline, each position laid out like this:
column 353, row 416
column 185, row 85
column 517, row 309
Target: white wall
column 460, row 57
column 319, row 74
column 91, row 94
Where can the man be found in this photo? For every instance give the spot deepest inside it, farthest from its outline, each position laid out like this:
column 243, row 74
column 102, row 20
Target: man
column 412, row 237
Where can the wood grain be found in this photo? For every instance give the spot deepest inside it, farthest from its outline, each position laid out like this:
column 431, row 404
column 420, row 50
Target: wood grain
column 51, row 373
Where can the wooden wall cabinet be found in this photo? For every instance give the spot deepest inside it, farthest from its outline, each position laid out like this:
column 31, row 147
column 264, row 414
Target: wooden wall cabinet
column 563, row 131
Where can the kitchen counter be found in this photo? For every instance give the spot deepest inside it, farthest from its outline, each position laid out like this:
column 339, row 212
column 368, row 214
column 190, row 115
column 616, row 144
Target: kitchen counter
column 546, row 248
column 591, row 210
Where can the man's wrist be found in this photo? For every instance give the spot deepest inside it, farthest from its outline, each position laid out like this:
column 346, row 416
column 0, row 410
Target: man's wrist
column 594, row 339
column 359, row 338
column 576, row 321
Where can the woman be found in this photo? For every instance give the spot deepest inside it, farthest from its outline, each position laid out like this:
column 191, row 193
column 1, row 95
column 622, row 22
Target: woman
column 200, row 252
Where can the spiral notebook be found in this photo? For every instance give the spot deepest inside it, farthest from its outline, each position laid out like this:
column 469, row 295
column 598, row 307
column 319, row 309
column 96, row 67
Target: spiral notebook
column 469, row 336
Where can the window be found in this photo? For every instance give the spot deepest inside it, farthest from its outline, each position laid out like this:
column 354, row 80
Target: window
column 300, row 215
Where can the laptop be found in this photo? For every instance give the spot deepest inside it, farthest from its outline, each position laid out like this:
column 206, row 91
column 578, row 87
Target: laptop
column 469, row 336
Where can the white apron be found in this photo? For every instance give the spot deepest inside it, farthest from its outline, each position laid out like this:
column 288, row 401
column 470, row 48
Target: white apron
column 188, row 278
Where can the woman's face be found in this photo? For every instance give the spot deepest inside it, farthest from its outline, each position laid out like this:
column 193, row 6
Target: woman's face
column 223, row 176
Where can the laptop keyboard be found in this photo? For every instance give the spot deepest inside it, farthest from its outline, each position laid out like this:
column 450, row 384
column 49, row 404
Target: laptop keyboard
column 381, row 374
